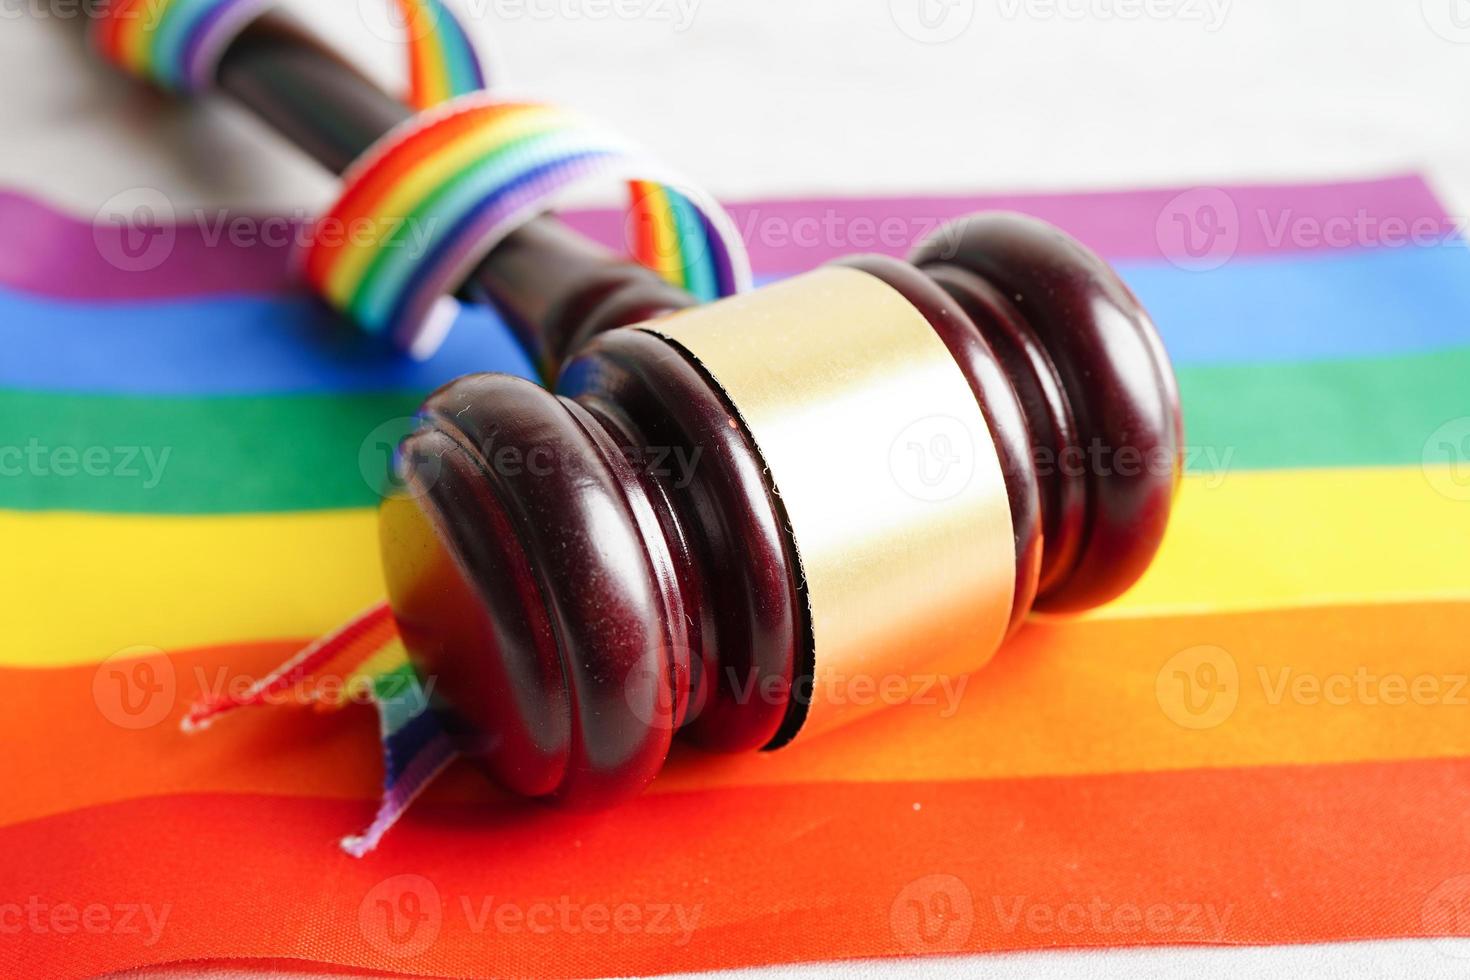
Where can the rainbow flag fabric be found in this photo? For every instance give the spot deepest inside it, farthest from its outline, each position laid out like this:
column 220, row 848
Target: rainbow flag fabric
column 1265, row 743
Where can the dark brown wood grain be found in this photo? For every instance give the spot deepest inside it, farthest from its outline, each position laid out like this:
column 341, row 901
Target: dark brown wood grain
column 655, row 557
column 1098, row 388
column 590, row 571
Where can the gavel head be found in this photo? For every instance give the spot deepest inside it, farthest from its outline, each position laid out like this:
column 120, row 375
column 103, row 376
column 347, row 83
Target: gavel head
column 875, row 471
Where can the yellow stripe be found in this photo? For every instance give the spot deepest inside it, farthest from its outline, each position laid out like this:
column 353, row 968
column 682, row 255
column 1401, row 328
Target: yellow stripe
column 665, row 241
column 90, row 585
column 1253, row 539
column 93, row 584
column 357, row 252
column 390, row 658
column 436, row 74
column 134, row 41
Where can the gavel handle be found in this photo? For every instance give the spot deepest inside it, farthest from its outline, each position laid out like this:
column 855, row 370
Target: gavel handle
column 553, row 285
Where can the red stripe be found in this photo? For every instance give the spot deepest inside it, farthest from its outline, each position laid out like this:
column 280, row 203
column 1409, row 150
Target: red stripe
column 109, row 31
column 773, row 874
column 645, row 250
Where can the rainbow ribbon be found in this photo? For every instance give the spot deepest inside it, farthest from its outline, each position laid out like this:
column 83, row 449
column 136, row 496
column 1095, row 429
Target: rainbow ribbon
column 422, row 208
column 177, row 44
column 426, row 204
column 362, row 660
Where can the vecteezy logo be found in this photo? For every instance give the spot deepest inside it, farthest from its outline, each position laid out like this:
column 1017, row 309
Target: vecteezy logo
column 653, row 700
column 1199, row 688
column 1446, row 459
column 1450, row 19
column 1446, row 915
column 640, row 233
column 134, row 231
column 933, row 914
column 398, row 23
column 933, row 459
column 135, row 688
column 381, row 467
column 1199, row 230
column 932, row 21
column 401, row 916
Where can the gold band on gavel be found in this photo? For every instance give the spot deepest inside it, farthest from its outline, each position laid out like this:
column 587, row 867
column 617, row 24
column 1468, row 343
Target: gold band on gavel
column 882, row 460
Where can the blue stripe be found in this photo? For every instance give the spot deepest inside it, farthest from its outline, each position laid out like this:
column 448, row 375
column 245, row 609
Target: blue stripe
column 1310, row 306
column 403, row 745
column 1350, row 304
column 430, row 261
column 465, row 72
column 399, row 265
column 227, row 345
column 403, row 701
column 700, row 278
column 169, row 41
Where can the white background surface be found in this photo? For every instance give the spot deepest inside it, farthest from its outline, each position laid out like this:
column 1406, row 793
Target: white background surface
column 795, row 97
column 790, row 97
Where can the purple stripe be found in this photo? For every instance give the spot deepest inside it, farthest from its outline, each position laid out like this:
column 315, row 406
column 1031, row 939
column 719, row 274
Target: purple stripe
column 47, row 252
column 397, row 797
column 719, row 255
column 203, row 48
column 791, row 236
column 440, row 271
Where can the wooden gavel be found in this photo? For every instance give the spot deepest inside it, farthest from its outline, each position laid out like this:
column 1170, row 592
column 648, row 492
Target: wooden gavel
column 885, row 466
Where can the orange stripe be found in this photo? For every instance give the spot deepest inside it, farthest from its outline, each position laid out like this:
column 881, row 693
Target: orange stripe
column 1314, row 685
column 766, row 875
column 664, row 258
column 412, row 12
column 106, row 739
column 1078, row 698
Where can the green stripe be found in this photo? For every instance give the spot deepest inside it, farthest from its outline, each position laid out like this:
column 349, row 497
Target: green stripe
column 400, row 697
column 1371, row 412
column 695, row 256
column 227, row 455
column 169, row 37
column 459, row 55
column 194, row 455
